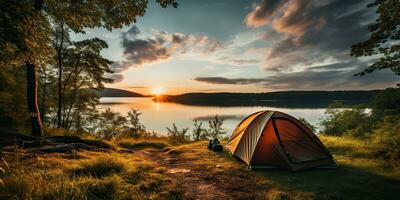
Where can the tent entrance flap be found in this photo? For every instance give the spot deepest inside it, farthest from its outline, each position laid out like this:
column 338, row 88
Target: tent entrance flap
column 296, row 142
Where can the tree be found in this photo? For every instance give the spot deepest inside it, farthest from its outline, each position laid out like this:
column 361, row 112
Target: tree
column 61, row 42
column 25, row 32
column 384, row 40
column 24, row 41
column 386, row 102
column 354, row 121
column 84, row 72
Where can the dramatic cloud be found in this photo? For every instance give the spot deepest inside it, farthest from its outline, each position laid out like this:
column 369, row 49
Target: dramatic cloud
column 238, row 62
column 333, row 76
column 311, row 31
column 262, row 13
column 159, row 46
column 140, row 51
column 116, row 77
column 222, row 80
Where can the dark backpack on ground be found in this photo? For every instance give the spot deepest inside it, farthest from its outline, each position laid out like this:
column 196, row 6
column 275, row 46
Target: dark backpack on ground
column 210, row 144
column 215, row 145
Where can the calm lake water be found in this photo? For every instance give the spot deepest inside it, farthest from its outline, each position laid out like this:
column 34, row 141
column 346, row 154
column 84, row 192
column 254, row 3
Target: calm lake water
column 158, row 116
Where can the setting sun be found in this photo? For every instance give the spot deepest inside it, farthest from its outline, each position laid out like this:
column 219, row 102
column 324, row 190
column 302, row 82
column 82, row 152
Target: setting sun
column 158, row 91
column 189, row 99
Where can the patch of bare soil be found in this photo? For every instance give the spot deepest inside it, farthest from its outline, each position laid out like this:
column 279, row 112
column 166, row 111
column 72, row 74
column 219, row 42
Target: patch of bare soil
column 205, row 181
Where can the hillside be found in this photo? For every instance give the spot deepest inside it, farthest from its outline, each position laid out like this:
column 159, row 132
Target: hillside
column 312, row 99
column 113, row 92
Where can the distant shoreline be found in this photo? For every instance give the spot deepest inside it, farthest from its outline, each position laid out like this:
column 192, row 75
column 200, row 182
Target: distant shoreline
column 283, row 99
column 291, row 99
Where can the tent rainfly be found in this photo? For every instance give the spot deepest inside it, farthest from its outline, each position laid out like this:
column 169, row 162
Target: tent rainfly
column 275, row 139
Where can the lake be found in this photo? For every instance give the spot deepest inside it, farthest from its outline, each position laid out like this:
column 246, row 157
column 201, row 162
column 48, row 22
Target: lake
column 158, row 116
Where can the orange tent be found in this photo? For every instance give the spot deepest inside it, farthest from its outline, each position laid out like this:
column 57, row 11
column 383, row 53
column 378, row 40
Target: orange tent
column 275, row 139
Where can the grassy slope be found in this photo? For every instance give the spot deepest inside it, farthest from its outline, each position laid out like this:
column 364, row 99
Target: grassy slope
column 85, row 175
column 361, row 175
column 110, row 175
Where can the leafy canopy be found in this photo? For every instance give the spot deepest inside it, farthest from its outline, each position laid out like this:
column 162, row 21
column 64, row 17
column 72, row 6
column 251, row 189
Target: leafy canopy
column 384, row 40
column 25, row 25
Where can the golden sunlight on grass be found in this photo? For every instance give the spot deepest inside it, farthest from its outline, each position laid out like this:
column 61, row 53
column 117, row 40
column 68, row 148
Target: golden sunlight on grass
column 141, row 170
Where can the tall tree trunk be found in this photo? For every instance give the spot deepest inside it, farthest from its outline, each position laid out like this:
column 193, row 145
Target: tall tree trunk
column 73, row 96
column 59, row 54
column 33, row 108
column 43, row 113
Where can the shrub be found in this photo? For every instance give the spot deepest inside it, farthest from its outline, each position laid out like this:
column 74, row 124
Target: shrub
column 111, row 124
column 135, row 128
column 388, row 135
column 215, row 129
column 386, row 103
column 178, row 136
column 346, row 121
column 198, row 132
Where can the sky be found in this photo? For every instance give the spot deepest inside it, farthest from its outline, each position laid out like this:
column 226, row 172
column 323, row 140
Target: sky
column 243, row 46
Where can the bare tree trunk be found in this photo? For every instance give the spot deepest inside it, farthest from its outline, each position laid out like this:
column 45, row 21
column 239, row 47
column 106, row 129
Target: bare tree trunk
column 43, row 113
column 59, row 54
column 33, row 108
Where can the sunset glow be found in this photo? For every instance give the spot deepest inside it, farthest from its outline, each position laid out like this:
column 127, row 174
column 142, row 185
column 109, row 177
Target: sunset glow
column 158, row 91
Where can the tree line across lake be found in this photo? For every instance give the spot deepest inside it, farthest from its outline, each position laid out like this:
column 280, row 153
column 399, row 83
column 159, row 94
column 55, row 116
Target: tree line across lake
column 288, row 99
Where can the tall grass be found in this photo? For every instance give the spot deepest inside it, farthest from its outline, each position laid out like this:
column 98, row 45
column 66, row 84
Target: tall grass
column 99, row 167
column 99, row 176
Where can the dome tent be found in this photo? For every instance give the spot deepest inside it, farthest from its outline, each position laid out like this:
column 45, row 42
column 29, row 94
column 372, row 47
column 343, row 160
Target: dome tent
column 275, row 139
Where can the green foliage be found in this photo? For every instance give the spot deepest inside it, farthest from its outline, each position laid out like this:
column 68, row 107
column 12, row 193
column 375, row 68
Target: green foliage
column 37, row 33
column 346, row 121
column 308, row 124
column 178, row 136
column 386, row 103
column 384, row 38
column 381, row 125
column 198, row 132
column 136, row 129
column 388, row 136
column 24, row 34
column 111, row 124
column 215, row 129
column 11, row 102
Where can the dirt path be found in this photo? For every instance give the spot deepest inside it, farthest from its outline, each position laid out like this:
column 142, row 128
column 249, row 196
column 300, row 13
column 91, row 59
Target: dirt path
column 193, row 183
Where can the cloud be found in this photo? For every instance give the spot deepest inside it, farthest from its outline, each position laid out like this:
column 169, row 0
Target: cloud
column 141, row 51
column 310, row 32
column 331, row 76
column 116, row 77
column 160, row 46
column 238, row 61
column 262, row 13
column 233, row 81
